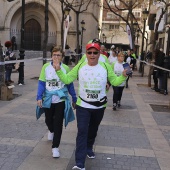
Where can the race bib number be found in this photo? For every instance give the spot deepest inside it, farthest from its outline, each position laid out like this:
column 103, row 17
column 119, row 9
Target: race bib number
column 93, row 95
column 52, row 84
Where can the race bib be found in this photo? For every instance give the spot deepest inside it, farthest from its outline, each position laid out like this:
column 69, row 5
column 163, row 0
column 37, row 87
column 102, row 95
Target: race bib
column 53, row 84
column 92, row 95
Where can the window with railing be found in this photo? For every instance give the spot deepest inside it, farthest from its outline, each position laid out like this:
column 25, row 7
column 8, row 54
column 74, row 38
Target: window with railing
column 137, row 14
column 113, row 27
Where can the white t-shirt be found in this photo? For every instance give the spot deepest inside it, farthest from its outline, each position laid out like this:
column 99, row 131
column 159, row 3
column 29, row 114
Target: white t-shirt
column 112, row 59
column 118, row 69
column 92, row 84
column 53, row 82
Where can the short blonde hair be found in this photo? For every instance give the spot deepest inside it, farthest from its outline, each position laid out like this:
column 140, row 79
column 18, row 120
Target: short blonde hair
column 121, row 54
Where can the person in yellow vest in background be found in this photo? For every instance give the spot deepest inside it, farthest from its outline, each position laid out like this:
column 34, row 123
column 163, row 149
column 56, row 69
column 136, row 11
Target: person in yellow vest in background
column 133, row 59
column 102, row 57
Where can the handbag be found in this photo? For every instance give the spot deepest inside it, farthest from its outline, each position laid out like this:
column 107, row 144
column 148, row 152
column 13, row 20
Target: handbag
column 16, row 65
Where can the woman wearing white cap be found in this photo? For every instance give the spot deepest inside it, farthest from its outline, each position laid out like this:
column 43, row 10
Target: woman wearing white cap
column 113, row 55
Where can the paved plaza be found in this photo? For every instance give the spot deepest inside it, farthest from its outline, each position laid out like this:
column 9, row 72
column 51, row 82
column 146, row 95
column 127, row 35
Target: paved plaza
column 135, row 137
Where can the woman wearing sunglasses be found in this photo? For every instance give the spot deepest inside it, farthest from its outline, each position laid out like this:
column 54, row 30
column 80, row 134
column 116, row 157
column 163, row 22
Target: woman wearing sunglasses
column 92, row 99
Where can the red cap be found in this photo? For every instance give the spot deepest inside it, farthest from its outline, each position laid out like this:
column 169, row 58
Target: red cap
column 8, row 43
column 93, row 45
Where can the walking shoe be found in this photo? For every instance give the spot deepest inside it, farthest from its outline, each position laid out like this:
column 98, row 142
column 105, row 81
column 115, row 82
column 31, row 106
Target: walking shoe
column 50, row 135
column 55, row 152
column 90, row 154
column 114, row 106
column 78, row 168
column 11, row 81
column 118, row 103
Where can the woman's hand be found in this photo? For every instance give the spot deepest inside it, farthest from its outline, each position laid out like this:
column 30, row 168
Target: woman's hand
column 124, row 72
column 39, row 103
column 74, row 105
column 56, row 64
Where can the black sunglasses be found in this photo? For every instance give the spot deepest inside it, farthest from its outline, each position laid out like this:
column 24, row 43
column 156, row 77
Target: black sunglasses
column 95, row 52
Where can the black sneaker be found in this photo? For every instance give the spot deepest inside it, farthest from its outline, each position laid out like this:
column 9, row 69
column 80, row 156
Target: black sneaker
column 114, row 106
column 118, row 103
column 90, row 154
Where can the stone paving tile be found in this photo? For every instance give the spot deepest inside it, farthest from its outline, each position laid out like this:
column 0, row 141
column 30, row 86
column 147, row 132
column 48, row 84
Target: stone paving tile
column 22, row 128
column 118, row 162
column 24, row 109
column 12, row 156
column 166, row 134
column 123, row 116
column 161, row 118
column 122, row 137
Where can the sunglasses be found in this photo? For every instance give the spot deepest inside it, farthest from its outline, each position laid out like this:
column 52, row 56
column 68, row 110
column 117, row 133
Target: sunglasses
column 95, row 52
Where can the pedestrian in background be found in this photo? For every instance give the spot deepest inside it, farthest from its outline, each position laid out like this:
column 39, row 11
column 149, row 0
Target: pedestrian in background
column 159, row 61
column 67, row 55
column 92, row 75
column 103, row 51
column 9, row 55
column 128, row 59
column 113, row 56
column 14, row 43
column 118, row 90
column 52, row 95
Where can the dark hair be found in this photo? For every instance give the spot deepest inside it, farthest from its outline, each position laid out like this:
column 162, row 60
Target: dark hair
column 8, row 44
column 67, row 47
column 96, row 40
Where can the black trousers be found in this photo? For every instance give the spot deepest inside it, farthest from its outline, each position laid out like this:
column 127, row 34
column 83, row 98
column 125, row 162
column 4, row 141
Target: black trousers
column 117, row 94
column 155, row 79
column 88, row 121
column 54, row 120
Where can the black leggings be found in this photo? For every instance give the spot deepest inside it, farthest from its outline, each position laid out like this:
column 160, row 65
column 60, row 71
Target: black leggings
column 54, row 120
column 117, row 94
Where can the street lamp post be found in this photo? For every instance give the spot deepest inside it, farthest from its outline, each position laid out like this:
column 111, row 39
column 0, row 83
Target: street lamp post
column 135, row 26
column 82, row 29
column 166, row 62
column 22, row 50
column 145, row 15
column 99, row 29
column 45, row 33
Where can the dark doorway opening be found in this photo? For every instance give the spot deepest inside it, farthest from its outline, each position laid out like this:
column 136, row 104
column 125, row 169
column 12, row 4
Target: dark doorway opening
column 32, row 35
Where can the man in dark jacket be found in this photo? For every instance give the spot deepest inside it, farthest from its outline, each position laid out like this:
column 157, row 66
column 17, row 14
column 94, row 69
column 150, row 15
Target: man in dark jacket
column 159, row 61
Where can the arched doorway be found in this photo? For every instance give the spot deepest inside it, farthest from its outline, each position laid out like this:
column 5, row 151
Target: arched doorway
column 32, row 35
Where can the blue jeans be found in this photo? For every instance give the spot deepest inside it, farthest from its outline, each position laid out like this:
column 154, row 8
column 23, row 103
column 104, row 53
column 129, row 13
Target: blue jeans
column 8, row 74
column 88, row 121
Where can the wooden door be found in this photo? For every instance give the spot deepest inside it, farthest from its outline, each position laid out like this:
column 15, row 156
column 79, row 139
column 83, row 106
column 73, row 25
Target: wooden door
column 32, row 35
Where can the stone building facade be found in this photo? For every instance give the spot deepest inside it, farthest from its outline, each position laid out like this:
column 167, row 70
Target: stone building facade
column 11, row 15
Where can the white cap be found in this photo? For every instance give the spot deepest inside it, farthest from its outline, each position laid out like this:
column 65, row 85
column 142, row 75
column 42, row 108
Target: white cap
column 112, row 46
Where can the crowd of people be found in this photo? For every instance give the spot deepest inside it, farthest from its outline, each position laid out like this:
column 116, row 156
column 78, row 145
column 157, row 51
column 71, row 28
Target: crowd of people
column 96, row 71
